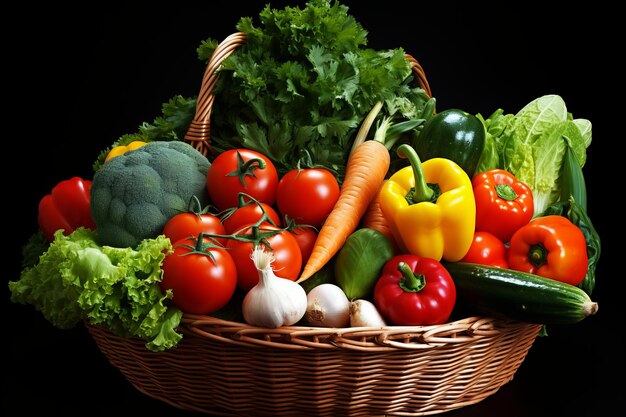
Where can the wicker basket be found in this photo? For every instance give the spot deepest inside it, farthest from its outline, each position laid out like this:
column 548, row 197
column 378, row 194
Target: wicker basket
column 230, row 368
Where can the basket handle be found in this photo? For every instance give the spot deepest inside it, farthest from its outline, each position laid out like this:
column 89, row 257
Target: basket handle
column 199, row 132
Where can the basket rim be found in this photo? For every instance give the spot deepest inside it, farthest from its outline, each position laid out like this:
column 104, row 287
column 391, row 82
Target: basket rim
column 461, row 331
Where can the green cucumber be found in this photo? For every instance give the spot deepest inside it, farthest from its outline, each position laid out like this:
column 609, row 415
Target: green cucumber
column 520, row 295
column 572, row 180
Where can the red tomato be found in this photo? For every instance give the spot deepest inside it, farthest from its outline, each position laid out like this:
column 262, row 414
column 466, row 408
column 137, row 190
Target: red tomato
column 241, row 170
column 486, row 249
column 306, row 237
column 249, row 214
column 200, row 284
column 184, row 225
column 288, row 261
column 308, row 195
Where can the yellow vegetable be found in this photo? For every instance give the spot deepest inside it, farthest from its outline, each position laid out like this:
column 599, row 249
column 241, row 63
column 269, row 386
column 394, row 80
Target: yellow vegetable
column 430, row 207
column 122, row 149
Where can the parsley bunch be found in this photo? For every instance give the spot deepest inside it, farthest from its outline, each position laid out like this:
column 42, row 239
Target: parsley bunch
column 304, row 81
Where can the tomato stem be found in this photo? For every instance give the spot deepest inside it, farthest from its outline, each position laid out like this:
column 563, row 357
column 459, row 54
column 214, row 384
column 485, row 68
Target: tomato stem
column 245, row 168
column 410, row 281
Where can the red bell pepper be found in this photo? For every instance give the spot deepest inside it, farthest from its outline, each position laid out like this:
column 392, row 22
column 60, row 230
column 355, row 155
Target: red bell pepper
column 503, row 204
column 415, row 291
column 550, row 246
column 486, row 249
column 66, row 207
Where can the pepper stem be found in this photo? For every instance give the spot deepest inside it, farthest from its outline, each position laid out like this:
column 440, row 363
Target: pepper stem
column 506, row 192
column 410, row 281
column 422, row 191
column 538, row 255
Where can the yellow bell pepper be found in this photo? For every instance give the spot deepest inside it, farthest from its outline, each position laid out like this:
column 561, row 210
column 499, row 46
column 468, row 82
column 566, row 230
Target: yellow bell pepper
column 430, row 207
column 122, row 149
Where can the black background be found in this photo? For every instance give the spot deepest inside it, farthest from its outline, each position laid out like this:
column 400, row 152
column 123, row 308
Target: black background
column 75, row 80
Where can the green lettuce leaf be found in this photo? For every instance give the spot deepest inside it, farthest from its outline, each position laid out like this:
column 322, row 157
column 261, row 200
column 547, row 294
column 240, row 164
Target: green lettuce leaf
column 584, row 126
column 76, row 279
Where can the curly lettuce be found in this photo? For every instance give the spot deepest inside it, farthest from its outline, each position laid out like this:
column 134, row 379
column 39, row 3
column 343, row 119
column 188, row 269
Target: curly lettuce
column 76, row 279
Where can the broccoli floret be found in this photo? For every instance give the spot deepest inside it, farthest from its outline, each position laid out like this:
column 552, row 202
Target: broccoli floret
column 135, row 194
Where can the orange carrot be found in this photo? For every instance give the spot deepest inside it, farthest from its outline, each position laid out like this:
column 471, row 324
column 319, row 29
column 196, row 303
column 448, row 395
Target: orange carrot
column 374, row 218
column 365, row 172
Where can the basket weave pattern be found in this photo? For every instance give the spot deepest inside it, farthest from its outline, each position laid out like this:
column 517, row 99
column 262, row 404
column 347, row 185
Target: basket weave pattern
column 227, row 368
column 230, row 368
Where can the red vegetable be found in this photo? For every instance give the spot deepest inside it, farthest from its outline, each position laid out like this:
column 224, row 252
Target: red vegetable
column 550, row 246
column 415, row 291
column 66, row 207
column 486, row 249
column 201, row 275
column 192, row 223
column 306, row 237
column 307, row 195
column 283, row 244
column 241, row 170
column 503, row 204
column 247, row 213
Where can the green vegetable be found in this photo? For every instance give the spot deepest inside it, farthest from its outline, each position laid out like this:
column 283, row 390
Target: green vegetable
column 172, row 125
column 490, row 158
column 360, row 261
column 573, row 181
column 135, row 194
column 520, row 295
column 304, row 81
column 37, row 244
column 533, row 143
column 453, row 134
column 76, row 279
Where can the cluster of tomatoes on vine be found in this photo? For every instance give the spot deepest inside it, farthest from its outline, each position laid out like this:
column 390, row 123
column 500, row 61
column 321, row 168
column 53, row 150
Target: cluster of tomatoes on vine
column 253, row 206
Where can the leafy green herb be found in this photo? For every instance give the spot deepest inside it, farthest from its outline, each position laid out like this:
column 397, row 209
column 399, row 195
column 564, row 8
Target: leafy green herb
column 304, row 81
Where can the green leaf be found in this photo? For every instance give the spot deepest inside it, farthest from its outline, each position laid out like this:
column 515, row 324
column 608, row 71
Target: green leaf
column 539, row 116
column 305, row 80
column 575, row 140
column 76, row 279
column 584, row 126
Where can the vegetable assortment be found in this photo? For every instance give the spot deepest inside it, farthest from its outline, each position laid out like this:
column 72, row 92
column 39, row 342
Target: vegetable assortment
column 335, row 196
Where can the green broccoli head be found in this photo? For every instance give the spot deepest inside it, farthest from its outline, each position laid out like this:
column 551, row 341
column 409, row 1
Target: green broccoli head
column 135, row 194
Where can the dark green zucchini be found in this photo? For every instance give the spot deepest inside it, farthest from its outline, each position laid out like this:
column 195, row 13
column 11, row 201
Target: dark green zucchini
column 519, row 295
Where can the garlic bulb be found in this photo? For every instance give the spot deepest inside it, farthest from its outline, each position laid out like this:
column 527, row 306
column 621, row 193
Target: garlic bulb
column 327, row 306
column 274, row 301
column 365, row 314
